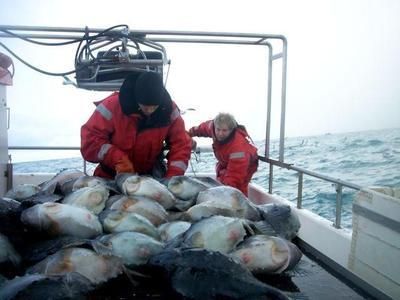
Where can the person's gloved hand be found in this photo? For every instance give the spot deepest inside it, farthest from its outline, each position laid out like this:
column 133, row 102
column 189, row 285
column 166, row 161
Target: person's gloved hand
column 124, row 165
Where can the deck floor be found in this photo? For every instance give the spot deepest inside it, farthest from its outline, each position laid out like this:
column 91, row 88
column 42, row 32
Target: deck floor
column 311, row 281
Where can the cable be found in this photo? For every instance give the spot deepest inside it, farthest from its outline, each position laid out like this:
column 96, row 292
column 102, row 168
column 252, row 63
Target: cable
column 39, row 70
column 90, row 39
column 77, row 49
column 83, row 50
column 85, row 37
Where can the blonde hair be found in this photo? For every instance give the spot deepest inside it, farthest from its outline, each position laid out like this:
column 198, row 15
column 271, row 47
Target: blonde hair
column 226, row 119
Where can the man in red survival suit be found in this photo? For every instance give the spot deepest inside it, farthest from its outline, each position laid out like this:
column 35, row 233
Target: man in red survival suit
column 237, row 156
column 129, row 129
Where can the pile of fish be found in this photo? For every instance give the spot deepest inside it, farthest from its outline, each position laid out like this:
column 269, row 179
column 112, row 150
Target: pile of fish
column 72, row 235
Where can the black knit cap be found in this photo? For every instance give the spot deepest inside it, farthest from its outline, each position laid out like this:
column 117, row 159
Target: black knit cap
column 149, row 89
column 127, row 94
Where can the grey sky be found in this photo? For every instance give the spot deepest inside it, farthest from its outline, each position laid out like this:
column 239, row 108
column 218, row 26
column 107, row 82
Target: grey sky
column 343, row 64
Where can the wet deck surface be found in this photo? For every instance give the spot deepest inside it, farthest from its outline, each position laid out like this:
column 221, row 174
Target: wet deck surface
column 310, row 281
column 307, row 281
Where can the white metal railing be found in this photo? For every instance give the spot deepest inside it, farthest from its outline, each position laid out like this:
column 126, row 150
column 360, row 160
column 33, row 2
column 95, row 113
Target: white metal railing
column 10, row 171
column 339, row 184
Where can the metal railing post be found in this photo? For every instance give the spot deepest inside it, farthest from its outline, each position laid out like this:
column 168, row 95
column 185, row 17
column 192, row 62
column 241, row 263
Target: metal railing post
column 9, row 173
column 339, row 184
column 270, row 179
column 300, row 190
column 339, row 189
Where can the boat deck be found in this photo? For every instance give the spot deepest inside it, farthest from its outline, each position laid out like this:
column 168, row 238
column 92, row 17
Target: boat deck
column 310, row 280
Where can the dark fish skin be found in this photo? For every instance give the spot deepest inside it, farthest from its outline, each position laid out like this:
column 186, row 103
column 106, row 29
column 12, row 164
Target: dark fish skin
column 279, row 220
column 10, row 212
column 203, row 274
column 71, row 286
column 39, row 198
column 54, row 184
column 85, row 181
column 8, row 205
column 41, row 249
column 209, row 181
column 10, row 224
column 10, row 259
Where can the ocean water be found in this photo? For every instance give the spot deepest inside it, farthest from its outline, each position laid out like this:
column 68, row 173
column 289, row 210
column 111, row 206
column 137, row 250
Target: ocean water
column 368, row 158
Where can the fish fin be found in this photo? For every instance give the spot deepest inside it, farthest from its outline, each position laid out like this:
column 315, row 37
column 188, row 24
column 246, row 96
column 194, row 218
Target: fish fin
column 183, row 205
column 48, row 187
column 40, row 198
column 176, row 242
column 249, row 227
column 100, row 248
column 263, row 227
column 128, row 274
column 134, row 273
column 208, row 181
column 15, row 258
column 177, row 216
column 112, row 186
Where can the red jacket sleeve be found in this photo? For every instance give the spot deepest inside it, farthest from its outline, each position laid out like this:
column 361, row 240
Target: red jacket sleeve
column 96, row 145
column 180, row 146
column 205, row 129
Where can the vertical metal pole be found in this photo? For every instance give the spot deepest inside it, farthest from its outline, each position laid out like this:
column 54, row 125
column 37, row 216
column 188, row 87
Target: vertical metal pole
column 269, row 94
column 9, row 173
column 300, row 190
column 283, row 101
column 84, row 167
column 4, row 126
column 270, row 179
column 339, row 189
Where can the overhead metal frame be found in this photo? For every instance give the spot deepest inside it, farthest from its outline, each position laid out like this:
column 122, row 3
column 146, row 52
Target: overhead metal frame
column 197, row 37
